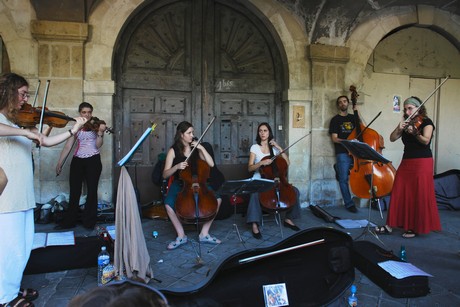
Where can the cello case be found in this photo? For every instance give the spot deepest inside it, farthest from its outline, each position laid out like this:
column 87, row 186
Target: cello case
column 313, row 275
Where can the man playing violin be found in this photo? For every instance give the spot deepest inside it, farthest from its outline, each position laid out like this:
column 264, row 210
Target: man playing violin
column 85, row 166
column 340, row 127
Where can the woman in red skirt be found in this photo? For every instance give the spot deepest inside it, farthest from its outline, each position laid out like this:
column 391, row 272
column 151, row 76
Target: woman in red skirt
column 413, row 203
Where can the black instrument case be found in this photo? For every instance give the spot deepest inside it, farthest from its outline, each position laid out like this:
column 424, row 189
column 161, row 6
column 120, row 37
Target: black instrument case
column 366, row 257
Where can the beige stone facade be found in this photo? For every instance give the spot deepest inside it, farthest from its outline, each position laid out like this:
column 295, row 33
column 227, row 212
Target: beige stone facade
column 78, row 58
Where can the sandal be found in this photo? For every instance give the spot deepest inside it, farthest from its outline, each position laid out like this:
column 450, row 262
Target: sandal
column 210, row 240
column 409, row 234
column 28, row 294
column 18, row 302
column 383, row 230
column 178, row 242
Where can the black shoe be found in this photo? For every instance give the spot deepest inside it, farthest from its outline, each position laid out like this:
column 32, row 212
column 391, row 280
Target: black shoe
column 256, row 235
column 352, row 209
column 293, row 227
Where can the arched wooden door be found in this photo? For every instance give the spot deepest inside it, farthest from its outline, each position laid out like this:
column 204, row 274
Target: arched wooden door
column 193, row 60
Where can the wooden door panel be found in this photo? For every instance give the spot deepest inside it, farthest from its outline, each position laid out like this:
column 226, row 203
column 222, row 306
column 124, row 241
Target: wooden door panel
column 193, row 60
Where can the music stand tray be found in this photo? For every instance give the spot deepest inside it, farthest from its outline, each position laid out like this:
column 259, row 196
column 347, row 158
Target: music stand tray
column 244, row 186
column 364, row 152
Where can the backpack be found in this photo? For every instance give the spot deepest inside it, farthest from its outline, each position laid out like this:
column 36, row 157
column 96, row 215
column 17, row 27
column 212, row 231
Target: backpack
column 157, row 173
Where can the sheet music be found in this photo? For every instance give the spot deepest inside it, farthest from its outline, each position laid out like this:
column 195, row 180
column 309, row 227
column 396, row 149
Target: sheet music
column 42, row 239
column 112, row 231
column 39, row 240
column 138, row 143
column 60, row 238
column 402, row 270
column 348, row 224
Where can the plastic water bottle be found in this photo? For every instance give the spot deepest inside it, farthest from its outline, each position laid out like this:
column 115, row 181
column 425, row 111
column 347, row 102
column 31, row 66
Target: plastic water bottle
column 352, row 299
column 402, row 253
column 103, row 259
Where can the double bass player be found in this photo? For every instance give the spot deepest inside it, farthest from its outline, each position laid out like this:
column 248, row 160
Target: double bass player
column 340, row 127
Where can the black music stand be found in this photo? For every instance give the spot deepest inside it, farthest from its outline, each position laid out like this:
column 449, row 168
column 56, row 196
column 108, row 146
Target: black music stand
column 245, row 186
column 364, row 152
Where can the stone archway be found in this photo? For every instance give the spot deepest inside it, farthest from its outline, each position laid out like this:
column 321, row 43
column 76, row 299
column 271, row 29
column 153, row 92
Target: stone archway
column 193, row 60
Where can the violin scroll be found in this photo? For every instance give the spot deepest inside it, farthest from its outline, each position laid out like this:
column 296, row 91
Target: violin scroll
column 354, row 95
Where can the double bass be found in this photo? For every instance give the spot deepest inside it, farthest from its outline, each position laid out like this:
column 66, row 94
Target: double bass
column 364, row 171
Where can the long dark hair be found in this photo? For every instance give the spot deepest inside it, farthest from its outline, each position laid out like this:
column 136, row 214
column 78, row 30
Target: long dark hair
column 270, row 132
column 181, row 128
column 10, row 83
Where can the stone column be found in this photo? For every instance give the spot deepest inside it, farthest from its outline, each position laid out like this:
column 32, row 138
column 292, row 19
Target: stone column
column 328, row 82
column 60, row 60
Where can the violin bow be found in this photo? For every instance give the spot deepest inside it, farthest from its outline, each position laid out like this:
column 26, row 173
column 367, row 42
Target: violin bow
column 201, row 137
column 36, row 93
column 426, row 99
column 287, row 148
column 42, row 114
column 68, row 154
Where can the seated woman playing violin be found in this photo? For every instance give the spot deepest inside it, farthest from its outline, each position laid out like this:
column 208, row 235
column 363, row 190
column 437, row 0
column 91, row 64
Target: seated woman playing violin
column 176, row 164
column 266, row 143
column 85, row 166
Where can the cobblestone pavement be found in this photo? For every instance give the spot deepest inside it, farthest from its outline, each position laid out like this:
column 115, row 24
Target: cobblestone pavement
column 436, row 253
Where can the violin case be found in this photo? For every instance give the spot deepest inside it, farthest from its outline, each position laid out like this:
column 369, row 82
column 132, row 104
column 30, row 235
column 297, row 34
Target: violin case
column 366, row 257
column 67, row 257
column 314, row 264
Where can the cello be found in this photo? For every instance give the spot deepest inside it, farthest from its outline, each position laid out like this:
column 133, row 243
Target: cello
column 282, row 195
column 365, row 172
column 196, row 203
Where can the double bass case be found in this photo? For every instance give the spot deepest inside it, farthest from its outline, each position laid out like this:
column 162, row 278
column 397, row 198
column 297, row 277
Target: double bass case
column 314, row 275
column 366, row 258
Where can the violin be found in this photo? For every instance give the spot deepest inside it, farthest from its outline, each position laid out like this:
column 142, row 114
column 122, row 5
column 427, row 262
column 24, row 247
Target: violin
column 29, row 116
column 414, row 124
column 366, row 173
column 94, row 123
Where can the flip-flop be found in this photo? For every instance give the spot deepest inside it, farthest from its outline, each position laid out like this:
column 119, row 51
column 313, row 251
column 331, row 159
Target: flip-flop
column 18, row 302
column 178, row 242
column 409, row 234
column 383, row 230
column 28, row 294
column 210, row 240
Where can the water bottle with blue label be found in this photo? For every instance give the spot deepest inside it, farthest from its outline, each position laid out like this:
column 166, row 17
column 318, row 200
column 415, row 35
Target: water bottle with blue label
column 103, row 259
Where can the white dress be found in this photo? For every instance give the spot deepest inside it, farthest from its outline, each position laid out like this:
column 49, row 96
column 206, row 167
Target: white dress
column 16, row 212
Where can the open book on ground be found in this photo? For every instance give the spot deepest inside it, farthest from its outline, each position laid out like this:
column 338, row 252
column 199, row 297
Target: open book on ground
column 43, row 239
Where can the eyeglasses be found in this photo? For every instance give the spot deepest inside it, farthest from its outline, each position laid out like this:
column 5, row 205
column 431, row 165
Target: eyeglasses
column 24, row 95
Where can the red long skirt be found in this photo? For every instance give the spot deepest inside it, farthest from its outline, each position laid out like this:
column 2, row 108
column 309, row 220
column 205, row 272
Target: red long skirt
column 413, row 201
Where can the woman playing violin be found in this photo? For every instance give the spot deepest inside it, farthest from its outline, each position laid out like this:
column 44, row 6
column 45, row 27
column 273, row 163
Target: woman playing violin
column 174, row 164
column 17, row 202
column 85, row 166
column 258, row 152
column 413, row 203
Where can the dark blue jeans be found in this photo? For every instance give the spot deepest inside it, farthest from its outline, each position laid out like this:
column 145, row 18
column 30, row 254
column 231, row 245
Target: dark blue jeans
column 344, row 163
